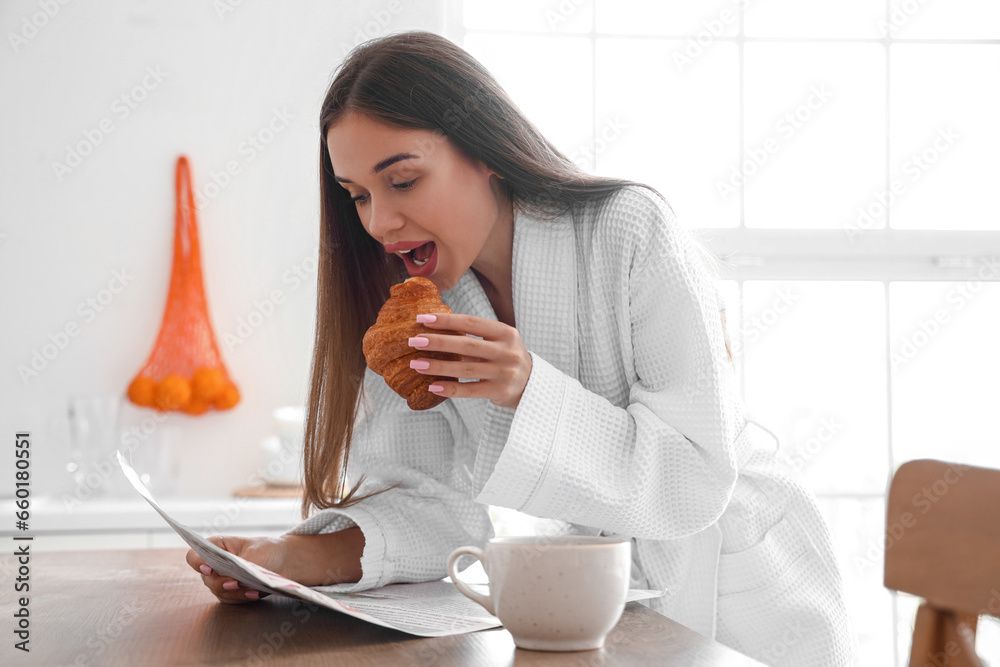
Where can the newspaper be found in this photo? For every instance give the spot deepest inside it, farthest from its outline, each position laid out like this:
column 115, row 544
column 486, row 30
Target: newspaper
column 425, row 609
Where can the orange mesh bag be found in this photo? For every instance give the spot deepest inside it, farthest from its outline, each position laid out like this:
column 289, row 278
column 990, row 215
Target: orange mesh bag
column 185, row 372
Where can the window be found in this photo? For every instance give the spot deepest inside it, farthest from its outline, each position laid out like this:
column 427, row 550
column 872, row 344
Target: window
column 840, row 158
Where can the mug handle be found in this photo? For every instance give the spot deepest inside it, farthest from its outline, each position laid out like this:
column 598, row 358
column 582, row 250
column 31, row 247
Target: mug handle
column 478, row 554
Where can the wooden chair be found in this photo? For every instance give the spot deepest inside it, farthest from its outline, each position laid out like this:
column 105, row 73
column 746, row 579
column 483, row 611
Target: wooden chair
column 943, row 545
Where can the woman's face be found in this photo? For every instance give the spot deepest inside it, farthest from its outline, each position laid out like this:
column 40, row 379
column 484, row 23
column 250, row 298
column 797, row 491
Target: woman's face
column 435, row 192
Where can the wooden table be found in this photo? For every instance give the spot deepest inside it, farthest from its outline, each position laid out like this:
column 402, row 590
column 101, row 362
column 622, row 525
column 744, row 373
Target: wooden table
column 148, row 607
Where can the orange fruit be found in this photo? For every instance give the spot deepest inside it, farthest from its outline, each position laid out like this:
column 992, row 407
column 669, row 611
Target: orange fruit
column 195, row 406
column 206, row 383
column 141, row 391
column 228, row 397
column 172, row 392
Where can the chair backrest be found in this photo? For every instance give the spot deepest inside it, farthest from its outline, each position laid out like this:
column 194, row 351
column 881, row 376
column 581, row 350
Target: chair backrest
column 943, row 535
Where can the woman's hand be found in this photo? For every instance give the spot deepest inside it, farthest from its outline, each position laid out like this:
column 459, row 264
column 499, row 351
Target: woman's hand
column 268, row 552
column 311, row 560
column 499, row 361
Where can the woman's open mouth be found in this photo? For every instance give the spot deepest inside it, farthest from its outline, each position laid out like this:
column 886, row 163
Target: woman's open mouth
column 421, row 261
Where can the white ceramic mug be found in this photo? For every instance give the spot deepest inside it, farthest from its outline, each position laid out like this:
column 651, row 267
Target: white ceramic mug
column 553, row 593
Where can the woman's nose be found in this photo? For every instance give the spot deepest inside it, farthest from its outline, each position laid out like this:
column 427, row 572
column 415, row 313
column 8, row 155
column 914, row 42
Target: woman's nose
column 383, row 220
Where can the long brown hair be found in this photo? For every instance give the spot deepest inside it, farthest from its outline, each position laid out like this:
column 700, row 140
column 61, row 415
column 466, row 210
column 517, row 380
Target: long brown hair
column 410, row 80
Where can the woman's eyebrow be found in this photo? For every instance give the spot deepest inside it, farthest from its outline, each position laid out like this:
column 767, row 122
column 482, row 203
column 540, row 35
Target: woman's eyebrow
column 389, row 161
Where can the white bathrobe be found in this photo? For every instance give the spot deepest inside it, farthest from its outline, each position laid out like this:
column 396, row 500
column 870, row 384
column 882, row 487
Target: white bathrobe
column 631, row 424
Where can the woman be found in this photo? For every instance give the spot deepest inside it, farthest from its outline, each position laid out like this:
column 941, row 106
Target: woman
column 598, row 388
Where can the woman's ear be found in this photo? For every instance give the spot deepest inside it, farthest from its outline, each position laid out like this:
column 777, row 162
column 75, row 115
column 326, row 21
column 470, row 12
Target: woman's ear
column 482, row 165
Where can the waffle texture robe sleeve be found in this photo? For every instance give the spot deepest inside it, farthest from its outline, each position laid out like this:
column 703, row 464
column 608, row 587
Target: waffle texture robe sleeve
column 410, row 530
column 663, row 466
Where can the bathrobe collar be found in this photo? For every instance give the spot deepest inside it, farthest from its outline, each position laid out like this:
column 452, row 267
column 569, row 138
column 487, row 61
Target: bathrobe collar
column 544, row 272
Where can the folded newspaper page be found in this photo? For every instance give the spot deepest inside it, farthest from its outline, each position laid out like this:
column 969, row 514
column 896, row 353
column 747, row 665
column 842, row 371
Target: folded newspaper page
column 424, row 609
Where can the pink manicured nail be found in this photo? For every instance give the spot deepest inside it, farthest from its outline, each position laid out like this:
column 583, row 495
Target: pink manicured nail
column 419, row 364
column 427, row 319
column 231, row 585
column 435, row 388
column 206, row 569
column 419, row 341
column 253, row 595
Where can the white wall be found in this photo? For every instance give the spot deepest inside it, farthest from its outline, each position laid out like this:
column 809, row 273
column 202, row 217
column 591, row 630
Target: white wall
column 224, row 69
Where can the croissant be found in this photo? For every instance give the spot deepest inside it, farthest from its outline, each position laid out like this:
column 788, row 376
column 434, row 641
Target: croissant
column 386, row 343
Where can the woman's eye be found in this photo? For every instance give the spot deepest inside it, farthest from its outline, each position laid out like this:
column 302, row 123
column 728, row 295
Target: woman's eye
column 361, row 200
